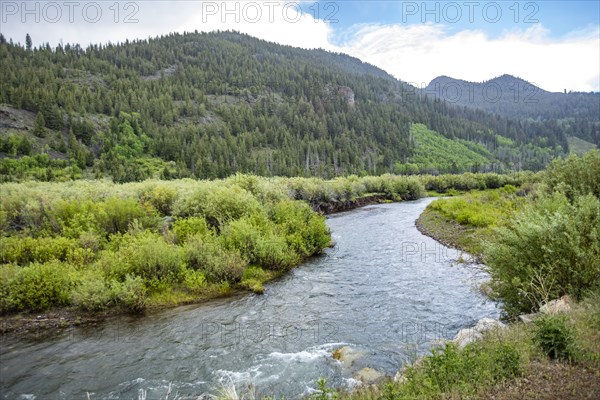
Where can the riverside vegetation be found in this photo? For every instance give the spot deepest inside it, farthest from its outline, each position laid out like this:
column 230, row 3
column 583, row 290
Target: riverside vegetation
column 539, row 242
column 97, row 245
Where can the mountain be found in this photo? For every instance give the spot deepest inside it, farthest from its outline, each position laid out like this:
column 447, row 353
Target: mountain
column 514, row 97
column 207, row 105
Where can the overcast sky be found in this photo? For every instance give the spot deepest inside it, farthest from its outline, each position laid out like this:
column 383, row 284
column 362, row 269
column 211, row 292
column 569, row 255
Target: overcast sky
column 554, row 44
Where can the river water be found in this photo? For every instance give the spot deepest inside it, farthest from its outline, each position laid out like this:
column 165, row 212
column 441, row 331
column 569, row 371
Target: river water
column 385, row 292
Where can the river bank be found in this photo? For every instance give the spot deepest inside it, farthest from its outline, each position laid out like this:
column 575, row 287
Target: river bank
column 56, row 321
column 282, row 341
column 528, row 344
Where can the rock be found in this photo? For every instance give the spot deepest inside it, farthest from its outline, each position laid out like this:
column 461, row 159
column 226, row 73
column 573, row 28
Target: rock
column 345, row 92
column 347, row 356
column 557, row 306
column 528, row 318
column 466, row 336
column 368, row 375
column 488, row 324
column 469, row 335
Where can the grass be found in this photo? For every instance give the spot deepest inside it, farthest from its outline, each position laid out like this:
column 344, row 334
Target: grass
column 463, row 221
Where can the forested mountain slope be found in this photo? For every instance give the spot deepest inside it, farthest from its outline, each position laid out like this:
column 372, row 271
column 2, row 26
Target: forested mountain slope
column 208, row 105
column 575, row 113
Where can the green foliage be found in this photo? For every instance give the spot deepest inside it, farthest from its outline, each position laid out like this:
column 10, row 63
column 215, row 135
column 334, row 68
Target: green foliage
column 39, row 128
column 451, row 371
column 551, row 248
column 25, row 250
column 131, row 294
column 469, row 181
column 323, row 392
column 194, row 280
column 37, row 287
column 120, row 213
column 252, row 107
column 555, row 337
column 151, row 258
column 185, row 228
column 93, row 293
column 161, row 198
column 218, row 205
column 575, row 176
column 480, row 209
column 435, row 153
column 253, row 279
column 306, row 232
column 217, row 263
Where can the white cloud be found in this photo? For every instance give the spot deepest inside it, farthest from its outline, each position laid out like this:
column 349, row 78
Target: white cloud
column 276, row 21
column 414, row 53
column 419, row 53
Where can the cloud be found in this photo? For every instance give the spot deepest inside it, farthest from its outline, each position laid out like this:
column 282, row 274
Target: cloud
column 419, row 53
column 414, row 53
column 282, row 22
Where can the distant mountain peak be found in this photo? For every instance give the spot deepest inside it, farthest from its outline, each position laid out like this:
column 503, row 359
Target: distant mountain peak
column 504, row 79
column 513, row 97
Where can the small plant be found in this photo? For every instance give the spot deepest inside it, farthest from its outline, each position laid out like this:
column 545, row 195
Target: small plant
column 555, row 337
column 324, row 392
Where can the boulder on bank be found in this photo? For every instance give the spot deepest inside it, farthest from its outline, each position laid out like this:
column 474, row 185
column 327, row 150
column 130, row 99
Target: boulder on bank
column 557, row 306
column 528, row 318
column 469, row 335
column 368, row 376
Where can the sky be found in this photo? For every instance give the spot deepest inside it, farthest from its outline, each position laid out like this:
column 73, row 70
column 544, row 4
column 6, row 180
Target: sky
column 553, row 44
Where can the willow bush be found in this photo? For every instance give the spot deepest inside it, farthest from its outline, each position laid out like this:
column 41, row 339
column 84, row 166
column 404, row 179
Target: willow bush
column 552, row 247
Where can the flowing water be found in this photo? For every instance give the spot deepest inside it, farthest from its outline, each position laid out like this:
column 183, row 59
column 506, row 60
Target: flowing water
column 385, row 292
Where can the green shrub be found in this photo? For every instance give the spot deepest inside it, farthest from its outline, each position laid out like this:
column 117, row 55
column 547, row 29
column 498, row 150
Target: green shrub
column 161, row 198
column 216, row 262
column 551, row 248
column 555, row 337
column 306, row 232
column 75, row 217
column 7, row 275
column 25, row 250
column 114, row 265
column 93, row 293
column 254, row 272
column 574, row 175
column 450, row 370
column 185, row 228
column 120, row 213
column 130, row 294
column 242, row 236
column 40, row 286
column 272, row 252
column 195, row 281
column 218, row 204
column 150, row 257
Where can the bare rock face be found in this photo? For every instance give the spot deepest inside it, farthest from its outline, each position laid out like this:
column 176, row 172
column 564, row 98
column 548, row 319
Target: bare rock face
column 469, row 335
column 346, row 93
column 557, row 306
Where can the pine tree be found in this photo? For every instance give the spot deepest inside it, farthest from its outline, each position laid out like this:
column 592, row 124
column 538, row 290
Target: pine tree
column 28, row 42
column 39, row 128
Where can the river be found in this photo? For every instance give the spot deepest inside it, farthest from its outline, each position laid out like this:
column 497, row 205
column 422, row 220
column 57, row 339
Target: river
column 386, row 292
